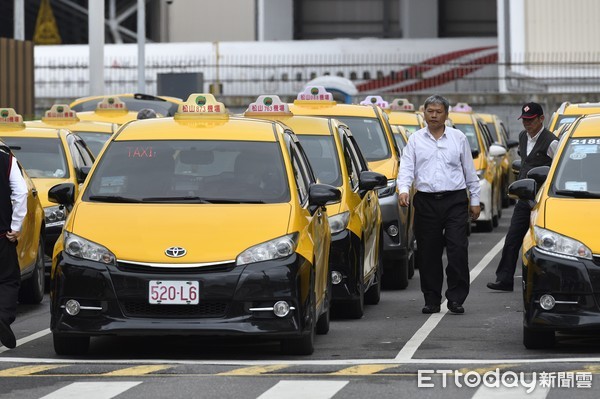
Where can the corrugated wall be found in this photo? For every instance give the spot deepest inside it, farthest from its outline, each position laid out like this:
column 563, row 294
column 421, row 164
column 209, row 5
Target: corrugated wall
column 563, row 27
column 16, row 76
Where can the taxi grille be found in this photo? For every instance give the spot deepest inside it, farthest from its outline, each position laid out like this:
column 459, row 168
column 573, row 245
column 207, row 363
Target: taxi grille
column 204, row 309
column 137, row 268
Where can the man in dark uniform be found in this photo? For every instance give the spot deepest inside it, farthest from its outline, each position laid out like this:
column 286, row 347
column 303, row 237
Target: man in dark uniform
column 13, row 207
column 438, row 160
column 537, row 146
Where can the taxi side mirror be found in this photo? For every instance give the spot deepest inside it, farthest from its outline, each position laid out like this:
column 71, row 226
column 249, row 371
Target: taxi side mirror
column 497, row 150
column 63, row 194
column 474, row 153
column 369, row 180
column 523, row 189
column 82, row 173
column 320, row 195
column 539, row 174
column 516, row 167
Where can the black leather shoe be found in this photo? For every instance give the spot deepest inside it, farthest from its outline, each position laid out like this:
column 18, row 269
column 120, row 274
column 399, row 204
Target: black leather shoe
column 500, row 286
column 455, row 307
column 428, row 309
column 7, row 337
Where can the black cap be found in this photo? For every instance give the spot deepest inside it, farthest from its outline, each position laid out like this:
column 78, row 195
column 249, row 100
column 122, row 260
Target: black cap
column 146, row 113
column 531, row 110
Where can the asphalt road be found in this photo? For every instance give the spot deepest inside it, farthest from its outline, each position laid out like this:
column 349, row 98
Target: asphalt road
column 394, row 351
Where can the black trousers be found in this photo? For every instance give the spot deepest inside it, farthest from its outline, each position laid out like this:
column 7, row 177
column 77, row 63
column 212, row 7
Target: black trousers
column 441, row 220
column 519, row 223
column 10, row 280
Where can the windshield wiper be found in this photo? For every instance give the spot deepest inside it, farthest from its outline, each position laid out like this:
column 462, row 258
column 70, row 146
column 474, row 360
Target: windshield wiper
column 577, row 194
column 201, row 200
column 112, row 198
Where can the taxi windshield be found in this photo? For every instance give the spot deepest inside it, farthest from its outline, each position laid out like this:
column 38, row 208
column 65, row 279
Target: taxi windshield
column 369, row 135
column 162, row 107
column 190, row 171
column 469, row 131
column 410, row 129
column 41, row 157
column 94, row 141
column 562, row 119
column 577, row 171
column 323, row 158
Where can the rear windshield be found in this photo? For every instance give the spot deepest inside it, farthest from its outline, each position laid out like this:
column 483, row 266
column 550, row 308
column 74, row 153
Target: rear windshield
column 190, row 171
column 323, row 158
column 469, row 131
column 165, row 108
column 370, row 137
column 41, row 157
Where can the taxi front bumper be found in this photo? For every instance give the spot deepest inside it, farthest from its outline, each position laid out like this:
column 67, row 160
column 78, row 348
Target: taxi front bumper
column 573, row 283
column 344, row 257
column 116, row 299
column 394, row 219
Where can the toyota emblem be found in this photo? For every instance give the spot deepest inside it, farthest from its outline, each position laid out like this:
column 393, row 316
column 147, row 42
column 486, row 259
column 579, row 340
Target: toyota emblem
column 175, row 252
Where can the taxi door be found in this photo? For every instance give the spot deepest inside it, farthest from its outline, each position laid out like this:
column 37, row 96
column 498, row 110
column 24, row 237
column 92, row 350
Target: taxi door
column 317, row 223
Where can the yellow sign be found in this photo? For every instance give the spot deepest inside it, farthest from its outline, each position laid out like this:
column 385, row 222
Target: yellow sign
column 46, row 31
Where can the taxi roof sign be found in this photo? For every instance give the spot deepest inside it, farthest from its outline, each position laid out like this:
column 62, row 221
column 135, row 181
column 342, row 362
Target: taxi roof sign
column 60, row 112
column 8, row 117
column 268, row 105
column 315, row 93
column 401, row 104
column 375, row 100
column 462, row 107
column 111, row 104
column 201, row 105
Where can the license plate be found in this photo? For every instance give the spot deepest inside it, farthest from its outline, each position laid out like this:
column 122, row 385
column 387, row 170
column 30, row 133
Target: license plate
column 173, row 292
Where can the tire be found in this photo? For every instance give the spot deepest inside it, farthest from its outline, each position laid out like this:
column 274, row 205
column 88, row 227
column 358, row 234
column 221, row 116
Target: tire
column 411, row 264
column 32, row 289
column 322, row 326
column 304, row 345
column 356, row 308
column 396, row 277
column 538, row 339
column 70, row 345
column 485, row 226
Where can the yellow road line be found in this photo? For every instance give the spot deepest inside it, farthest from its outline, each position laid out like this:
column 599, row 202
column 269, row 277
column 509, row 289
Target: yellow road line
column 255, row 370
column 137, row 370
column 365, row 369
column 27, row 370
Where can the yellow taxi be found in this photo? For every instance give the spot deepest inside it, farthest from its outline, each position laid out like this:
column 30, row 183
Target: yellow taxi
column 200, row 224
column 50, row 156
column 561, row 250
column 499, row 134
column 487, row 158
column 568, row 112
column 355, row 259
column 110, row 109
column 61, row 116
column 163, row 105
column 372, row 132
column 402, row 112
column 30, row 246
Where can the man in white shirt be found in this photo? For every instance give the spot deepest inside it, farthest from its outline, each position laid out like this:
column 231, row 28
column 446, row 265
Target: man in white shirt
column 13, row 208
column 438, row 160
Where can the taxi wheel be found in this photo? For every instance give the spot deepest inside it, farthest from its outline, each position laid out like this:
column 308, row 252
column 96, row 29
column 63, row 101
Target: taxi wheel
column 373, row 294
column 396, row 277
column 322, row 327
column 538, row 339
column 32, row 289
column 70, row 344
column 356, row 308
column 305, row 345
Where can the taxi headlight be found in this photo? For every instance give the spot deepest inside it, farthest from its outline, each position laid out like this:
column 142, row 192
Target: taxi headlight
column 82, row 248
column 277, row 248
column 338, row 222
column 554, row 242
column 55, row 215
column 388, row 190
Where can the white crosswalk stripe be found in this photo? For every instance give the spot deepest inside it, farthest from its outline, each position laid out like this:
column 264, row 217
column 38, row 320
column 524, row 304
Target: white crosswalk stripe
column 92, row 390
column 302, row 389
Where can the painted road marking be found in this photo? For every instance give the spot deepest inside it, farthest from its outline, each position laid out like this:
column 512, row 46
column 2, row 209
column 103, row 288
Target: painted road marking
column 303, row 389
column 92, row 390
column 28, row 370
column 134, row 371
column 31, row 337
column 413, row 344
column 255, row 370
column 366, row 369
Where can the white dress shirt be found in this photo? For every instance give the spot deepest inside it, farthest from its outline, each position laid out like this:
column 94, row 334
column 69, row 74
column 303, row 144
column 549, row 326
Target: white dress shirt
column 532, row 140
column 439, row 165
column 18, row 196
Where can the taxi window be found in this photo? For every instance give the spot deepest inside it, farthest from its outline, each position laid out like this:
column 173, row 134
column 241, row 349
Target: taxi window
column 562, row 119
column 370, row 137
column 94, row 141
column 41, row 157
column 577, row 171
column 493, row 131
column 301, row 173
column 469, row 131
column 190, row 171
column 410, row 129
column 323, row 158
column 352, row 163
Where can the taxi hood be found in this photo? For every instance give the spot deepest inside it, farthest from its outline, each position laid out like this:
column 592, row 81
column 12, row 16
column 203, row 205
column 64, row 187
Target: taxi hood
column 387, row 167
column 209, row 233
column 575, row 218
column 43, row 185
